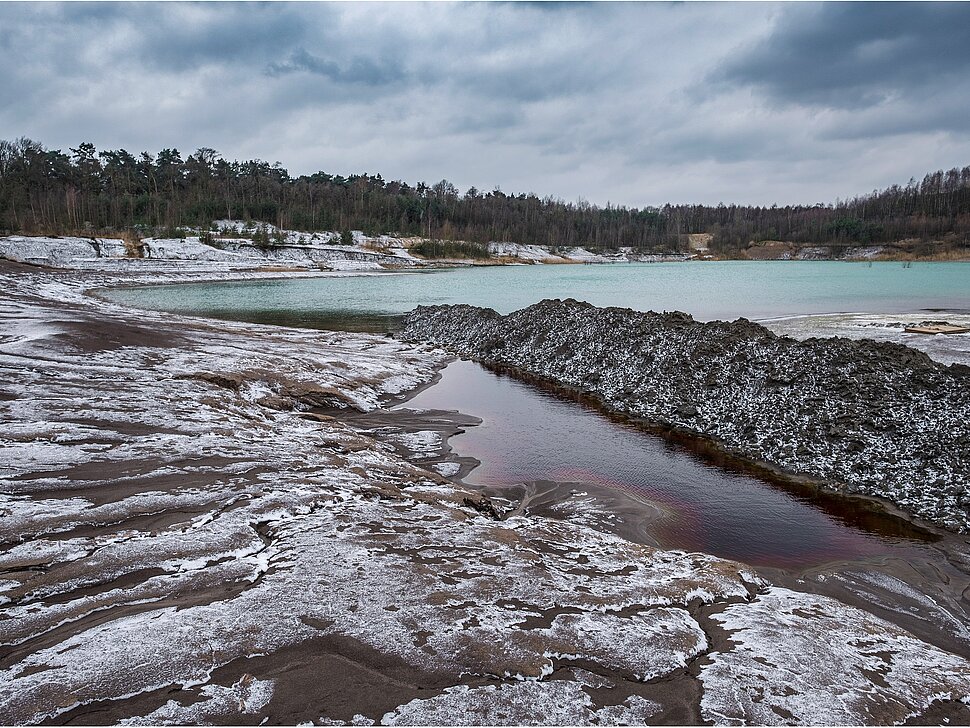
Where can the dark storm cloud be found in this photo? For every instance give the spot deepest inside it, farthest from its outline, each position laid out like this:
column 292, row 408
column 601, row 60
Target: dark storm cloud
column 184, row 36
column 480, row 57
column 237, row 34
column 161, row 33
column 850, row 56
column 84, row 14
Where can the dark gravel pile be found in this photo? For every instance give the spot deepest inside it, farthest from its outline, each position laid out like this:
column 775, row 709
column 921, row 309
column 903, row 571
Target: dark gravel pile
column 872, row 418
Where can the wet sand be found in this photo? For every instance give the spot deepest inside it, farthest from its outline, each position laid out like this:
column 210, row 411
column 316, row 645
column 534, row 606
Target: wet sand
column 225, row 523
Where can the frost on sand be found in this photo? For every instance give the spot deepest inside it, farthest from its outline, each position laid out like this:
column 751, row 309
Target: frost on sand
column 801, row 658
column 182, row 506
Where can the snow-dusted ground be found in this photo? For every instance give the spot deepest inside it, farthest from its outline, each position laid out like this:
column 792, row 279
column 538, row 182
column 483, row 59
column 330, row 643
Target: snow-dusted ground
column 300, row 251
column 796, row 656
column 547, row 254
column 289, row 249
column 945, row 348
column 191, row 534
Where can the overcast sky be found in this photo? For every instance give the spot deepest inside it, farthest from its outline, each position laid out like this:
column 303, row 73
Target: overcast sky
column 637, row 104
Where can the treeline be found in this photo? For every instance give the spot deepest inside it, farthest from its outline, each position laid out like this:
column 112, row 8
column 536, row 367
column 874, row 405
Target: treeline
column 52, row 192
column 935, row 209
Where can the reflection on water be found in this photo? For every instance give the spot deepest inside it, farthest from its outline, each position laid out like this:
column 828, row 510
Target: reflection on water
column 528, row 434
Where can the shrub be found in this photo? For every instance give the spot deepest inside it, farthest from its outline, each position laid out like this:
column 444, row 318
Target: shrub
column 451, row 249
column 133, row 245
column 261, row 238
column 206, row 237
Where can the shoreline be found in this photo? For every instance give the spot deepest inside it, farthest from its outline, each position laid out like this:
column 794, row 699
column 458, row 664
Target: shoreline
column 226, row 521
column 720, row 455
column 927, row 560
column 710, row 449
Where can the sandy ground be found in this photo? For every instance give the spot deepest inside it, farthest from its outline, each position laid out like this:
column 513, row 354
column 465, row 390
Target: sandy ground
column 208, row 522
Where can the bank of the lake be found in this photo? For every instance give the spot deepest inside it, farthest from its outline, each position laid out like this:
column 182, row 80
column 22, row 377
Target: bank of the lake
column 797, row 298
column 540, row 450
column 195, row 531
column 860, row 416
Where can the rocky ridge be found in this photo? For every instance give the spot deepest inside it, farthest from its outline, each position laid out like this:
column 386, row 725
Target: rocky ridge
column 866, row 417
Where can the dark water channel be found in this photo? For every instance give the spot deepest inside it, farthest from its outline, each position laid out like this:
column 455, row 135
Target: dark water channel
column 528, row 434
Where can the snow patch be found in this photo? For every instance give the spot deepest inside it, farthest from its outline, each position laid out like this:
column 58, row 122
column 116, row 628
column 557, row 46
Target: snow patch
column 811, row 659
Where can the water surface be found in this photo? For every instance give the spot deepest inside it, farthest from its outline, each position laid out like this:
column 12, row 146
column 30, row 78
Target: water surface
column 707, row 290
column 528, row 434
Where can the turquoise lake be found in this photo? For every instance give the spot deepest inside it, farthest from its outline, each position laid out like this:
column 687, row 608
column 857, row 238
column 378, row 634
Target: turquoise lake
column 707, row 290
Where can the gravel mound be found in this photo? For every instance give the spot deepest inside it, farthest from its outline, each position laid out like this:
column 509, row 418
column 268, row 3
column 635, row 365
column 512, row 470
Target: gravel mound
column 873, row 418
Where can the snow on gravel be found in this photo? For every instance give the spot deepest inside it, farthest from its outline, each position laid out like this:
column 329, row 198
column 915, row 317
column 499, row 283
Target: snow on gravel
column 246, row 697
column 556, row 702
column 447, row 469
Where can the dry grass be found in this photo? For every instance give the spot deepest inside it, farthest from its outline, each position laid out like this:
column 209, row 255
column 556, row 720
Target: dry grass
column 134, row 248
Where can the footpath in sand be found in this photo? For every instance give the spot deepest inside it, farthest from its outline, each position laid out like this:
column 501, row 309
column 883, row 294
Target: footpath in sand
column 193, row 532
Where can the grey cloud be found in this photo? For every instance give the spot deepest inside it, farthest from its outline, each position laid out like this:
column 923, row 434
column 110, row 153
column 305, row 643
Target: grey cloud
column 362, row 70
column 563, row 99
column 87, row 13
column 724, row 148
column 491, row 121
column 526, row 82
column 480, row 57
column 170, row 36
column 927, row 111
column 855, row 55
column 214, row 33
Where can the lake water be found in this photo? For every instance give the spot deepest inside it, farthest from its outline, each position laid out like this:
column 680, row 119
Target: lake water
column 530, row 435
column 709, row 290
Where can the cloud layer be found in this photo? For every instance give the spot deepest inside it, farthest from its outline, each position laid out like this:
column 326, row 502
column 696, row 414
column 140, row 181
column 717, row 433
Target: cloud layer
column 634, row 104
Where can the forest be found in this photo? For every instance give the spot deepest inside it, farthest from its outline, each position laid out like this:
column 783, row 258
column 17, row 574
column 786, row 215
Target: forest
column 87, row 191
